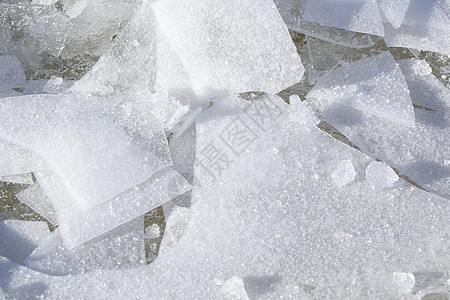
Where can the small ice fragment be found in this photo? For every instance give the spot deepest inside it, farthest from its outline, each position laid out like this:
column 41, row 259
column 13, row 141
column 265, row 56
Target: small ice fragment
column 302, row 113
column 374, row 85
column 394, row 10
column 152, row 232
column 19, row 238
column 234, row 288
column 380, row 175
column 354, row 15
column 11, row 73
column 18, row 178
column 76, row 8
column 175, row 226
column 235, row 47
column 344, row 173
column 420, row 67
column 15, row 160
column 404, row 281
column 34, row 197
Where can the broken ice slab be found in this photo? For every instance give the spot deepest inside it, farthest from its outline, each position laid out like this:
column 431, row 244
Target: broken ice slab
column 19, row 238
column 394, row 10
column 77, row 226
column 293, row 12
column 230, row 46
column 420, row 153
column 18, row 178
column 354, row 15
column 425, row 89
column 35, row 198
column 301, row 113
column 374, row 85
column 120, row 248
column 11, row 73
column 426, row 26
column 344, row 173
column 234, row 288
column 99, row 147
column 380, row 176
column 14, row 160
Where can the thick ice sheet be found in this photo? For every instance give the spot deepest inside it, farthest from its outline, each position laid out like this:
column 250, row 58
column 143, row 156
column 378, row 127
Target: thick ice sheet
column 420, row 153
column 34, row 197
column 374, row 85
column 77, row 226
column 354, row 15
column 11, row 73
column 99, row 147
column 230, row 46
column 394, row 10
column 120, row 248
column 19, row 238
column 282, row 227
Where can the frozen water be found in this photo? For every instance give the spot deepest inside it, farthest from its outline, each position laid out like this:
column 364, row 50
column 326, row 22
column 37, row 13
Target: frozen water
column 344, row 173
column 9, row 93
column 301, row 112
column 394, row 10
column 19, row 238
column 233, row 288
column 354, row 15
column 374, row 85
column 11, row 73
column 120, row 248
column 152, row 232
column 34, row 197
column 380, row 175
column 176, row 224
column 18, row 178
column 14, row 160
column 404, row 281
column 99, row 147
column 230, row 46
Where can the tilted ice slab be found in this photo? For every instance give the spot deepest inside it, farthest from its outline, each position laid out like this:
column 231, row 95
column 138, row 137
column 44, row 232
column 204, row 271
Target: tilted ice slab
column 119, row 249
column 230, row 46
column 19, row 238
column 15, row 160
column 11, row 73
column 374, row 85
column 273, row 218
column 420, row 153
column 35, row 198
column 394, row 10
column 354, row 15
column 426, row 26
column 99, row 147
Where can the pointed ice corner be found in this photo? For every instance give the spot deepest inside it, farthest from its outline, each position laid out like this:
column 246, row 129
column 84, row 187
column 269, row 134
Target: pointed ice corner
column 231, row 46
column 374, row 85
column 394, row 10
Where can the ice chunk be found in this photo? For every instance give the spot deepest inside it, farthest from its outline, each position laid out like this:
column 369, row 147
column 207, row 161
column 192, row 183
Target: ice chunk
column 301, row 112
column 152, row 232
column 394, row 11
column 9, row 93
column 19, row 238
column 77, row 227
column 34, row 197
column 344, row 173
column 380, row 175
column 404, row 281
column 374, row 85
column 18, row 178
column 420, row 153
column 15, row 160
column 354, row 15
column 120, row 248
column 236, row 46
column 11, row 73
column 175, row 226
column 233, row 288
column 98, row 146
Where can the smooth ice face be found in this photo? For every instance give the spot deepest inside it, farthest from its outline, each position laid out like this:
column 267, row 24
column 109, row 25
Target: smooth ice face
column 11, row 73
column 344, row 173
column 394, row 10
column 19, row 238
column 99, row 147
column 230, row 46
column 374, row 85
column 380, row 175
column 354, row 15
column 121, row 248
